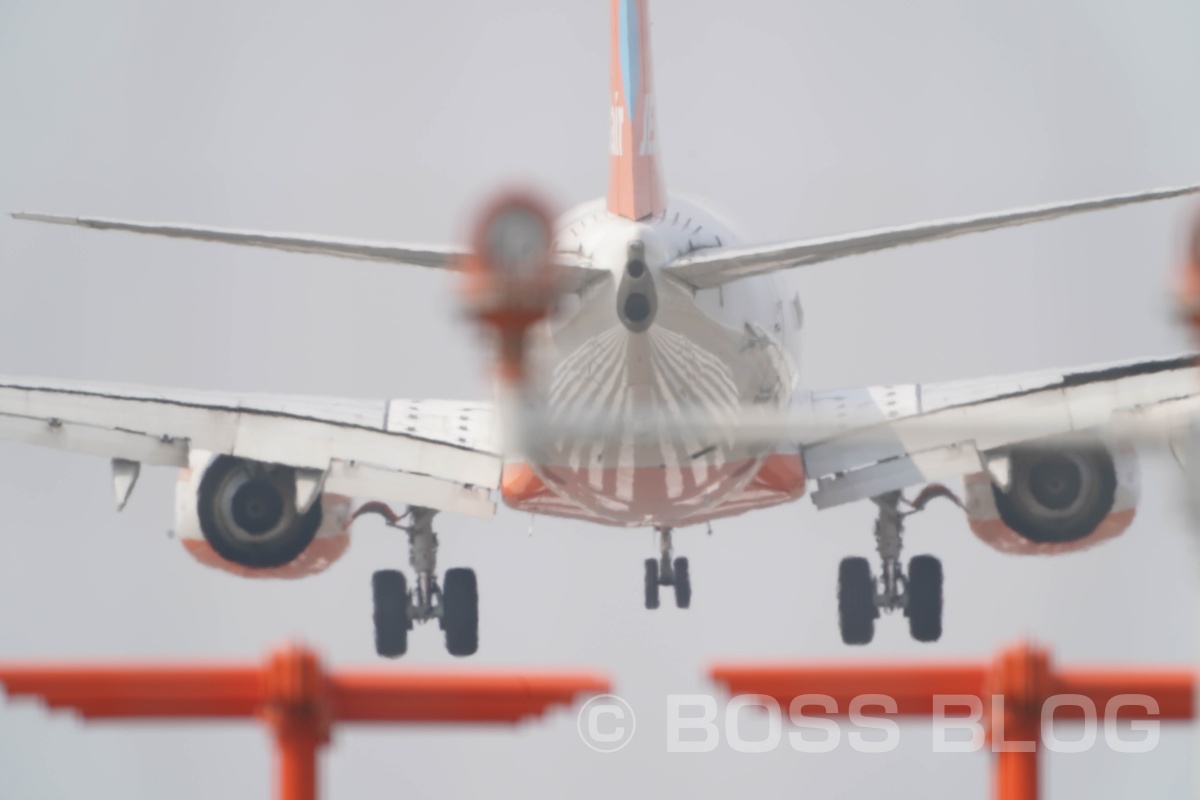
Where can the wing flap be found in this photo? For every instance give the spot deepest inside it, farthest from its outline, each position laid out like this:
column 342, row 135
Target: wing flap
column 89, row 439
column 930, row 466
column 986, row 424
column 353, row 442
column 360, row 480
column 931, row 432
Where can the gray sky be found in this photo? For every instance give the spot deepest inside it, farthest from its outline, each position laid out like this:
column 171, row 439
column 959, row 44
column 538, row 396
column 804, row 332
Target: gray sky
column 391, row 120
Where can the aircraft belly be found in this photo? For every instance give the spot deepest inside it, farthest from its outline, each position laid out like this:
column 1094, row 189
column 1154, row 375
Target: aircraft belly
column 689, row 362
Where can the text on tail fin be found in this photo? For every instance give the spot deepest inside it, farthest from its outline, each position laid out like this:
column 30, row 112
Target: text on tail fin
column 635, row 188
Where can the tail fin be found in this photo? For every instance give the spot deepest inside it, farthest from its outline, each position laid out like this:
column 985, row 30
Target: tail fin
column 635, row 188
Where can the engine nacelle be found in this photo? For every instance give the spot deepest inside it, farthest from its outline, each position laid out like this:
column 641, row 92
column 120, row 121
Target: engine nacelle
column 1061, row 497
column 240, row 516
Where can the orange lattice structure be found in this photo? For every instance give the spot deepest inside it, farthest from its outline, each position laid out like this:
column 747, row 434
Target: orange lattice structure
column 1022, row 675
column 297, row 698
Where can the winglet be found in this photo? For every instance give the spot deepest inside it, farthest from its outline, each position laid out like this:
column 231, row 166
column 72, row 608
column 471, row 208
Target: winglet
column 635, row 187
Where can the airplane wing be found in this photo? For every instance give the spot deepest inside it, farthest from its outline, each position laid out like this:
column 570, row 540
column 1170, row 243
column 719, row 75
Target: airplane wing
column 435, row 454
column 575, row 275
column 713, row 267
column 888, row 438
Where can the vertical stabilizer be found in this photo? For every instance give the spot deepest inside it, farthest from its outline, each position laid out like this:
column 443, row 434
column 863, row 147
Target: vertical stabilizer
column 635, row 188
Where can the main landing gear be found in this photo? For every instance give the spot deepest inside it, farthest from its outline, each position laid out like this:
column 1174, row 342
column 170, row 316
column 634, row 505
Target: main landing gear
column 662, row 571
column 918, row 593
column 454, row 603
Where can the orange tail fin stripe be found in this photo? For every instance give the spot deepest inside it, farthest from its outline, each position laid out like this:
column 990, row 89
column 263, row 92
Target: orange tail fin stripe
column 635, row 188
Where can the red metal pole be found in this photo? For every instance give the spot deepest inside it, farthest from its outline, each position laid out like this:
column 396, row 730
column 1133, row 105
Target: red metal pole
column 296, row 704
column 1016, row 775
column 297, row 699
column 295, row 766
column 1013, row 689
column 1020, row 677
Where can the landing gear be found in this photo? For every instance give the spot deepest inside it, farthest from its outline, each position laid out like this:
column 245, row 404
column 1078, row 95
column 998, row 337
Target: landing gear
column 455, row 605
column 390, row 590
column 460, row 612
column 651, row 583
column 856, row 601
column 662, row 571
column 683, row 584
column 861, row 596
column 924, row 608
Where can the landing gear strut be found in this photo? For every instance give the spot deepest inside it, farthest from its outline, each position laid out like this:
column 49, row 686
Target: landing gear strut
column 918, row 593
column 662, row 571
column 454, row 603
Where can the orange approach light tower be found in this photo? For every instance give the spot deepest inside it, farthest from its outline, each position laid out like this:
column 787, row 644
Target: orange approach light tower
column 1188, row 282
column 298, row 699
column 1021, row 677
column 510, row 280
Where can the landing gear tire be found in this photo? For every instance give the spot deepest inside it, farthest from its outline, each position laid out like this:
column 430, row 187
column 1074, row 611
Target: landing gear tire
column 924, row 609
column 651, row 583
column 856, row 601
column 460, row 612
column 683, row 584
column 390, row 590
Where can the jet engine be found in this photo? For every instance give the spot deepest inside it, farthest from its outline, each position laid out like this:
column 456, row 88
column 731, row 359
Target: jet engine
column 241, row 516
column 1053, row 496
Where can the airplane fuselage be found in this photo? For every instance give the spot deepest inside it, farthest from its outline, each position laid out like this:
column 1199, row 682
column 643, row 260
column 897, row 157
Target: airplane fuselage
column 642, row 345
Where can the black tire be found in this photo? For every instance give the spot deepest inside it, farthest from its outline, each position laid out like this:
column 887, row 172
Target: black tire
column 856, row 601
column 683, row 584
column 248, row 513
column 924, row 609
column 651, row 583
column 390, row 590
column 460, row 612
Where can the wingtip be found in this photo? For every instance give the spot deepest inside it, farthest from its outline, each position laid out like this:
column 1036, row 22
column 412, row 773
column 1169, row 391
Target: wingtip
column 35, row 217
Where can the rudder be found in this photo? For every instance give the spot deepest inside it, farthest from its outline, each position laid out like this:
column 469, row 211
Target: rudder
column 635, row 187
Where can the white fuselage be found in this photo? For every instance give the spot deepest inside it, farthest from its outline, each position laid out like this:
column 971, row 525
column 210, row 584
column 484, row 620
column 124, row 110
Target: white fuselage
column 710, row 352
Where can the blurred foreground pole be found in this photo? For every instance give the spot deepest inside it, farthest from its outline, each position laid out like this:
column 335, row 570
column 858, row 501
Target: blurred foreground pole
column 297, row 698
column 1011, row 690
column 511, row 284
column 1187, row 290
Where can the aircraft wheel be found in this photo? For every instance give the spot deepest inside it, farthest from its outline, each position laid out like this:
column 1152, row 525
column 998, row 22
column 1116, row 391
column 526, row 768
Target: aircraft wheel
column 390, row 590
column 683, row 584
column 924, row 608
column 856, row 601
column 460, row 612
column 651, row 583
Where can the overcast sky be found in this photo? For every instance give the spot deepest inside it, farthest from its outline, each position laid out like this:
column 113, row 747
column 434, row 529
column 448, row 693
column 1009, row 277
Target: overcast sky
column 389, row 120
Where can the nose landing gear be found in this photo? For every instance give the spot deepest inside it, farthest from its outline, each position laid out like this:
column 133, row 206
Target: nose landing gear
column 662, row 571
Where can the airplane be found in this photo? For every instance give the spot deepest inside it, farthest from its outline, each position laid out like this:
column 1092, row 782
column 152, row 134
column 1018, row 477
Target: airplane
column 666, row 336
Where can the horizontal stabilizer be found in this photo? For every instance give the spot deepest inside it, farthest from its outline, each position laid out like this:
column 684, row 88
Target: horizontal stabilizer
column 418, row 255
column 575, row 275
column 710, row 268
